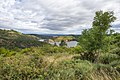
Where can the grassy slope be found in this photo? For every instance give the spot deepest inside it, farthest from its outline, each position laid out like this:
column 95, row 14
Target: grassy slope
column 12, row 39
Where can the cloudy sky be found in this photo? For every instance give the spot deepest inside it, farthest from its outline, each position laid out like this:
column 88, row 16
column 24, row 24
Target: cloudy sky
column 54, row 16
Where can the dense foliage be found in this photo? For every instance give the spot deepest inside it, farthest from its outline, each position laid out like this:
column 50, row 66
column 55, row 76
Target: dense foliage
column 54, row 63
column 95, row 41
column 63, row 43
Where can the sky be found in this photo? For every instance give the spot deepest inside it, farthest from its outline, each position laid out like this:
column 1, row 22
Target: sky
column 54, row 16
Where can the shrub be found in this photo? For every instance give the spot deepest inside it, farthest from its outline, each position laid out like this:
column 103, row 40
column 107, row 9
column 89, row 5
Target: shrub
column 6, row 52
column 21, row 67
column 107, row 58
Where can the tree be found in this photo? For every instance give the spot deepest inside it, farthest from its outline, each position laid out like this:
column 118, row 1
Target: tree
column 95, row 40
column 55, row 44
column 63, row 43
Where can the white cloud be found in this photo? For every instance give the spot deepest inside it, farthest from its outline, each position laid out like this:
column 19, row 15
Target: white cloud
column 53, row 16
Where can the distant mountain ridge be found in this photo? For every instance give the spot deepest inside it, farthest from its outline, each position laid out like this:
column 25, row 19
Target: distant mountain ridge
column 49, row 36
column 55, row 34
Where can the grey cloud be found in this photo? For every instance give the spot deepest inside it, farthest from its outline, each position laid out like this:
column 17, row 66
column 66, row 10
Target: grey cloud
column 116, row 26
column 55, row 15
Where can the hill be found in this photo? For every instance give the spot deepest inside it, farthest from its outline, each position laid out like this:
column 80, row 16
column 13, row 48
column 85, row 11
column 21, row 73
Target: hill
column 11, row 39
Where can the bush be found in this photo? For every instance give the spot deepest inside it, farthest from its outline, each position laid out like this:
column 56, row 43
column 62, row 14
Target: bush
column 6, row 52
column 21, row 67
column 116, row 51
column 77, row 50
column 69, row 70
column 107, row 58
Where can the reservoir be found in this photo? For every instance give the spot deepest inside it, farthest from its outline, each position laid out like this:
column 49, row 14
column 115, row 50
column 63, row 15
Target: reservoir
column 69, row 43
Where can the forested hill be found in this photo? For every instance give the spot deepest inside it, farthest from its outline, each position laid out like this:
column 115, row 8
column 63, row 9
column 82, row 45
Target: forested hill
column 11, row 39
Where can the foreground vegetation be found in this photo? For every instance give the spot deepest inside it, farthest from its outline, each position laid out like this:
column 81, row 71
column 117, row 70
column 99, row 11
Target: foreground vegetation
column 97, row 57
column 56, row 63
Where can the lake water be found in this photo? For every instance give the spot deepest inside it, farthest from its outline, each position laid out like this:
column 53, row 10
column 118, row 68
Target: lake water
column 69, row 44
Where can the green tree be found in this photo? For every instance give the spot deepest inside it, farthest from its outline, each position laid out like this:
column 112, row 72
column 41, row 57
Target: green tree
column 55, row 44
column 63, row 43
column 96, row 40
